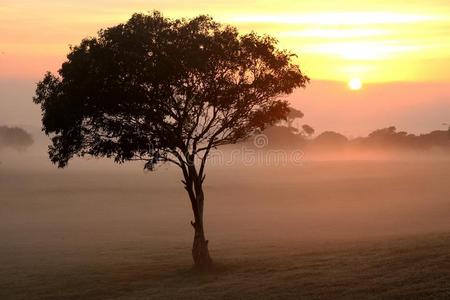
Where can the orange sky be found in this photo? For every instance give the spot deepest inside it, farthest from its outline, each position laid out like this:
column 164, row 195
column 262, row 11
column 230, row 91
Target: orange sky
column 379, row 42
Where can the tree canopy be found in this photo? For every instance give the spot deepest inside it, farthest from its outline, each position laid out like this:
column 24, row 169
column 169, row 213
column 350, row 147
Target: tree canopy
column 157, row 89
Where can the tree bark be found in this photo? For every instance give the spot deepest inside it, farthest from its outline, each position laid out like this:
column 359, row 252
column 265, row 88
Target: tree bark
column 200, row 251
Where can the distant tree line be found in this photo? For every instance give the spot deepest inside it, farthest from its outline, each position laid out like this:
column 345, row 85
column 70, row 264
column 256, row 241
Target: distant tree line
column 289, row 134
column 14, row 138
column 386, row 139
column 391, row 138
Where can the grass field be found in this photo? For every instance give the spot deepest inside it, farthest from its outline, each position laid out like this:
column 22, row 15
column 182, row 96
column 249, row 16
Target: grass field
column 329, row 230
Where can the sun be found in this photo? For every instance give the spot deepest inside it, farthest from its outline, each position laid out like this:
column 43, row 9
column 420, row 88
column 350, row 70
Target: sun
column 355, row 84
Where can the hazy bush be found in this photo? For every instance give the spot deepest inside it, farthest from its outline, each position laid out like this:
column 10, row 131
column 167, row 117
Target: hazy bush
column 15, row 138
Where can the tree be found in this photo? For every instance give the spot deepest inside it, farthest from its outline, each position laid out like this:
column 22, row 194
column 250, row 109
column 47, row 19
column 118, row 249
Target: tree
column 330, row 140
column 308, row 130
column 293, row 115
column 161, row 90
column 15, row 138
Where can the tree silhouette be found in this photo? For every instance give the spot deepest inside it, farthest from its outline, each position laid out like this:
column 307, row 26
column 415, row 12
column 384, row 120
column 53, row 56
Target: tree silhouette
column 308, row 130
column 161, row 90
column 329, row 140
column 293, row 115
column 15, row 138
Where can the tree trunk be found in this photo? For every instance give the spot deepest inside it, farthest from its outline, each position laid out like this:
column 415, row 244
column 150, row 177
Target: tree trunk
column 200, row 252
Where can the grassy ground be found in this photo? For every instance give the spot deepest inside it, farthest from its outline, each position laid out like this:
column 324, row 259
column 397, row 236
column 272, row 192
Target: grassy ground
column 361, row 230
column 407, row 268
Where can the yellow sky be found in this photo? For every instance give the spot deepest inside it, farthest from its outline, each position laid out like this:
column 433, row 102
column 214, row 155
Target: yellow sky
column 376, row 41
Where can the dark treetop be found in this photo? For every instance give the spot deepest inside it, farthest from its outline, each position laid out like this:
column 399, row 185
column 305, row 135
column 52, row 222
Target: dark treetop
column 159, row 90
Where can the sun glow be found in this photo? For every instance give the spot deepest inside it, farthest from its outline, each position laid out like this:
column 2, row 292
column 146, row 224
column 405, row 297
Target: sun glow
column 355, row 84
column 332, row 38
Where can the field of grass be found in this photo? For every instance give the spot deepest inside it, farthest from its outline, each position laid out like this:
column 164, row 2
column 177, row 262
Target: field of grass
column 409, row 268
column 331, row 230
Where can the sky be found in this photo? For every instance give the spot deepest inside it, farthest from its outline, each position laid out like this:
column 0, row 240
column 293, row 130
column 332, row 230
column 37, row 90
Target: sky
column 399, row 51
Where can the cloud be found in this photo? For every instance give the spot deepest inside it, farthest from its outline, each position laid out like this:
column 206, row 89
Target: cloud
column 14, row 138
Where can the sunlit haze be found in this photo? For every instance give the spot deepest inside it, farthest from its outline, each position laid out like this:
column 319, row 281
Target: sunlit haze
column 403, row 47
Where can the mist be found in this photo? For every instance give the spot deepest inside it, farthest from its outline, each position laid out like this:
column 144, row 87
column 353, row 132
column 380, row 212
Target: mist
column 98, row 215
